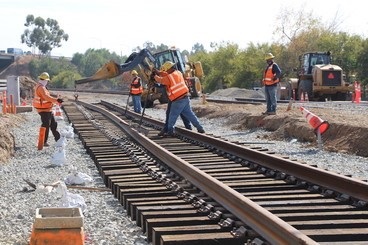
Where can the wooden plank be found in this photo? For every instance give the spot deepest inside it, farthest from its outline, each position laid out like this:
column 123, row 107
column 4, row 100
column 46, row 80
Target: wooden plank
column 214, row 238
column 157, row 232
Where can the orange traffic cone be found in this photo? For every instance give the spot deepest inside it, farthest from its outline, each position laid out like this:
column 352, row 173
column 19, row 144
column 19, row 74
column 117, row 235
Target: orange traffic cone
column 306, row 97
column 316, row 122
column 357, row 92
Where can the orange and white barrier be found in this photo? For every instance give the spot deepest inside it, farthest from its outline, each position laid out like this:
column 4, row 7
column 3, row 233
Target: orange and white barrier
column 320, row 126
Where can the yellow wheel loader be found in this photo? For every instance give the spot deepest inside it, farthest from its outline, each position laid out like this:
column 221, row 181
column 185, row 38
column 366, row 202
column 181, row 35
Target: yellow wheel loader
column 144, row 61
column 317, row 78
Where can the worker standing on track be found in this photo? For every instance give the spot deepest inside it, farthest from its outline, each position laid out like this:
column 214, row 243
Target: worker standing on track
column 177, row 92
column 136, row 90
column 271, row 77
column 43, row 102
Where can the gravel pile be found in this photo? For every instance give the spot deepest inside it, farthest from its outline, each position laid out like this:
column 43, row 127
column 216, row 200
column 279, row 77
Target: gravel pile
column 102, row 225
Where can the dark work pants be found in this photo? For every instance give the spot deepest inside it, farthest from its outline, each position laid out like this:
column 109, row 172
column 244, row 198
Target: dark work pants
column 49, row 122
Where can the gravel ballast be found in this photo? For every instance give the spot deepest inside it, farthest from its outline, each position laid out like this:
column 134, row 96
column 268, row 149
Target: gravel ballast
column 105, row 220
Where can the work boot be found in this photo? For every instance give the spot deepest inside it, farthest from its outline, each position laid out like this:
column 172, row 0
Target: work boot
column 272, row 113
column 45, row 144
column 168, row 135
column 201, row 131
column 161, row 133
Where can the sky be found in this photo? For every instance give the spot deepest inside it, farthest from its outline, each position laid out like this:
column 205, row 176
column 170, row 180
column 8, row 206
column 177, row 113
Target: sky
column 121, row 25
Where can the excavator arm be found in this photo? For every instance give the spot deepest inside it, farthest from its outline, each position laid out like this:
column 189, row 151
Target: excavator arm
column 144, row 59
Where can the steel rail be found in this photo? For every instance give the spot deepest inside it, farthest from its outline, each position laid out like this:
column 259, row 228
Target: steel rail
column 272, row 228
column 353, row 187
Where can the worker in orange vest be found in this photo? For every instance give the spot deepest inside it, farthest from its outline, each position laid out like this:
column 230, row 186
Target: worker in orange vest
column 271, row 77
column 177, row 91
column 136, row 90
column 43, row 103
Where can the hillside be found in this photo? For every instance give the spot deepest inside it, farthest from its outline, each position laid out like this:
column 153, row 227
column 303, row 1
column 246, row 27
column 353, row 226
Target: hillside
column 20, row 68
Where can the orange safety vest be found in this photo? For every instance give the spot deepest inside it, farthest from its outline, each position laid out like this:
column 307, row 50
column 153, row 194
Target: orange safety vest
column 42, row 100
column 134, row 90
column 175, row 84
column 268, row 76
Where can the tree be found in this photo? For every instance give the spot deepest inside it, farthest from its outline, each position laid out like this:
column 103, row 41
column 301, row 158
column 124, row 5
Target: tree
column 43, row 35
column 54, row 67
column 222, row 64
column 197, row 48
column 362, row 61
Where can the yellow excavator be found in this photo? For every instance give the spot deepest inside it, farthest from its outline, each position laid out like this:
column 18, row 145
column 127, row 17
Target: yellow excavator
column 144, row 61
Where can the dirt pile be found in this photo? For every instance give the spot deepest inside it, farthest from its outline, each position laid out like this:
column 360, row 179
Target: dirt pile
column 348, row 131
column 18, row 68
column 7, row 141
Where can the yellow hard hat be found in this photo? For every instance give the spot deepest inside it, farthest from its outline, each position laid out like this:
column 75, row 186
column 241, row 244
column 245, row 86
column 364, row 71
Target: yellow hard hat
column 269, row 56
column 167, row 65
column 134, row 72
column 44, row 76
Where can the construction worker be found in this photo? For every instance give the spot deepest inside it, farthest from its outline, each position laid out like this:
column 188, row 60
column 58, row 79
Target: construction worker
column 136, row 90
column 43, row 103
column 177, row 92
column 271, row 77
column 186, row 122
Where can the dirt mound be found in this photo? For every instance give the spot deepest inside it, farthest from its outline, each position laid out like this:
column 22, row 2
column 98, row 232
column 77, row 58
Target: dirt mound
column 347, row 132
column 18, row 68
column 7, row 141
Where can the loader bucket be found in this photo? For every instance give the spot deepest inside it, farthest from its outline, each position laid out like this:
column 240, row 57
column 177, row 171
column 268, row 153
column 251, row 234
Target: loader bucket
column 109, row 70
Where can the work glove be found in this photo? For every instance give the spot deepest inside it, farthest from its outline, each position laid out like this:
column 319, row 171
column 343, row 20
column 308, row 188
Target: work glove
column 154, row 71
column 60, row 100
column 275, row 78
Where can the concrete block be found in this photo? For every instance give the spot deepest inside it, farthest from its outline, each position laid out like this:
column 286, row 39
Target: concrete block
column 22, row 109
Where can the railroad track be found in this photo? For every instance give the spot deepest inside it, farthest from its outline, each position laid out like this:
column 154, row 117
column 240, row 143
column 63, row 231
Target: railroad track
column 201, row 189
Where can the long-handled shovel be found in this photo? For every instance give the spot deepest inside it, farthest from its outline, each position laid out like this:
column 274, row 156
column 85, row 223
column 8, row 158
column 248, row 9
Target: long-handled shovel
column 126, row 107
column 140, row 129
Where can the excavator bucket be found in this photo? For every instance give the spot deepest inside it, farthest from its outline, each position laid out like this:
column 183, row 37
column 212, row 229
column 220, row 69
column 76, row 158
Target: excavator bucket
column 109, row 70
column 112, row 69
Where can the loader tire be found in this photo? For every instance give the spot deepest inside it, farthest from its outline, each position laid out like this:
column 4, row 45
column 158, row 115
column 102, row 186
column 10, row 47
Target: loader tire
column 196, row 87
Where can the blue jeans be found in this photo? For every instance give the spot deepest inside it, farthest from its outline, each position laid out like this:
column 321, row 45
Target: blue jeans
column 271, row 97
column 182, row 106
column 186, row 122
column 137, row 103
